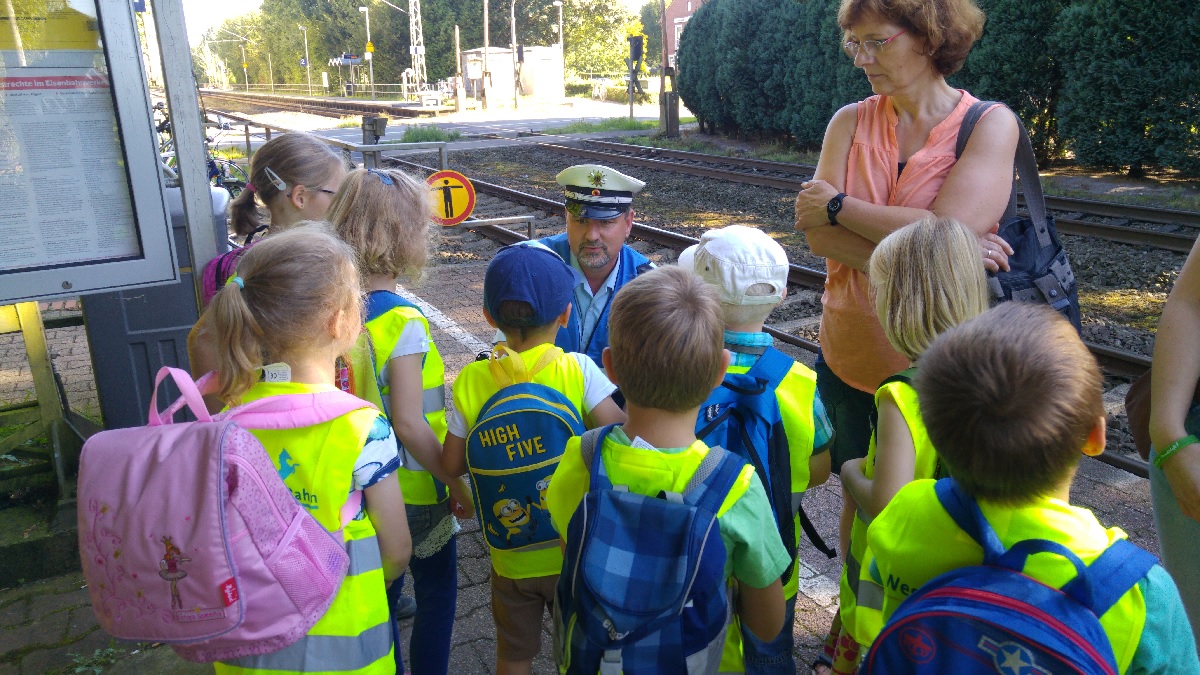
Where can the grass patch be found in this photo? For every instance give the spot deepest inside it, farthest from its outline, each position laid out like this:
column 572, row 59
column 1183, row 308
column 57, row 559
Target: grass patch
column 348, row 122
column 426, row 133
column 1181, row 198
column 1134, row 308
column 775, row 152
column 610, row 124
column 231, row 152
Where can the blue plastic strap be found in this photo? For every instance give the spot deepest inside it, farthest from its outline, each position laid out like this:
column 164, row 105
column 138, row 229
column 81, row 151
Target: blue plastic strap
column 966, row 514
column 1081, row 587
column 1117, row 569
column 590, row 446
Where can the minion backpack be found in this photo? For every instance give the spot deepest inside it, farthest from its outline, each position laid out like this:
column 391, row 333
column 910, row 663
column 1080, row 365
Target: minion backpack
column 513, row 450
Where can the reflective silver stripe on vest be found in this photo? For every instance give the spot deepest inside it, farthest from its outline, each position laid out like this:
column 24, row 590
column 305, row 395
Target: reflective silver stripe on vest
column 433, row 399
column 364, row 555
column 870, row 595
column 853, row 569
column 323, row 653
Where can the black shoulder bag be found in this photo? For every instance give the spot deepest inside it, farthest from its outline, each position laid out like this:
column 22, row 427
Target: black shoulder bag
column 1039, row 269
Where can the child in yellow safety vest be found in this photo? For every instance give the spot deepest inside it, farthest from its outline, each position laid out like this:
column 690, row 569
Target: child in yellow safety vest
column 1011, row 399
column 926, row 278
column 281, row 322
column 750, row 272
column 384, row 215
column 527, row 292
column 667, row 354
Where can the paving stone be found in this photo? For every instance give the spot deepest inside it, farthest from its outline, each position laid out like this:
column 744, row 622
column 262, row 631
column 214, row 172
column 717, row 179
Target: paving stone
column 46, row 631
column 14, row 613
column 64, row 656
column 44, row 604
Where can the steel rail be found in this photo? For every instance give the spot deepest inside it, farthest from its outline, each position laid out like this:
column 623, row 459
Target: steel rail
column 328, row 107
column 1091, row 207
column 1179, row 243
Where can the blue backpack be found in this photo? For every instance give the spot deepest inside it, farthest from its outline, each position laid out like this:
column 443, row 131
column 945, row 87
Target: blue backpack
column 643, row 585
column 513, row 450
column 743, row 417
column 993, row 618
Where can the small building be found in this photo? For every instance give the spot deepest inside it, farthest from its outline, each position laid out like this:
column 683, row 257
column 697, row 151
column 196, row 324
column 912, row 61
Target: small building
column 676, row 17
column 541, row 73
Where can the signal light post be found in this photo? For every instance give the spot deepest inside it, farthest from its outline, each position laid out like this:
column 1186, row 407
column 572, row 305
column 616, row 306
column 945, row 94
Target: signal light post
column 307, row 62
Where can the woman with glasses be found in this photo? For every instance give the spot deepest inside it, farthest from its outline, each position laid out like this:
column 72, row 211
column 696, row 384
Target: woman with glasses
column 887, row 161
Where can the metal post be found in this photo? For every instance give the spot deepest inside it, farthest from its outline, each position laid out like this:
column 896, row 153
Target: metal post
column 512, row 21
column 245, row 77
column 562, row 52
column 443, row 157
column 271, row 72
column 487, row 74
column 459, row 92
column 630, row 62
column 369, row 53
column 662, row 68
column 307, row 62
column 247, row 128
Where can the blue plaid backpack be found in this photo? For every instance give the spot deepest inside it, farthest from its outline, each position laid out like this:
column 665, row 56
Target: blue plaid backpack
column 992, row 618
column 743, row 417
column 643, row 585
column 513, row 450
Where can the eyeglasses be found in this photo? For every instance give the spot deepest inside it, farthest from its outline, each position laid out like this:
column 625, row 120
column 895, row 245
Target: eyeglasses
column 871, row 47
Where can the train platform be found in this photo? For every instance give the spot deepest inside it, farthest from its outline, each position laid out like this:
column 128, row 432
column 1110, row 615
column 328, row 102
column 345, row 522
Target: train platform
column 48, row 626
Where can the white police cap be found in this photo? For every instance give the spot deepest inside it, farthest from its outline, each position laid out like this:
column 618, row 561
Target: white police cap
column 595, row 191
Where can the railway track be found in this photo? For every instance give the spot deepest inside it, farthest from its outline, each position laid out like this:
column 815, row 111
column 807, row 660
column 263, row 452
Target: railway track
column 335, row 108
column 788, row 177
column 1115, row 361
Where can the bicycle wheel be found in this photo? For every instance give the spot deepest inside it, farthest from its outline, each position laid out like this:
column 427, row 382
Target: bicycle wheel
column 227, row 174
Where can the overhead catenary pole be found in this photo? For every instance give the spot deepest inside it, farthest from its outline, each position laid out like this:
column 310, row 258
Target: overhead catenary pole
column 512, row 21
column 369, row 49
column 458, row 75
column 307, row 61
column 487, row 47
column 271, row 72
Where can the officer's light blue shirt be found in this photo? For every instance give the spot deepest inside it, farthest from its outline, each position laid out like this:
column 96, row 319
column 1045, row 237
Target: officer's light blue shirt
column 590, row 307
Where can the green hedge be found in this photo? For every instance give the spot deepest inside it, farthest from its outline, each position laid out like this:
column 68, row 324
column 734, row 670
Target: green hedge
column 1114, row 81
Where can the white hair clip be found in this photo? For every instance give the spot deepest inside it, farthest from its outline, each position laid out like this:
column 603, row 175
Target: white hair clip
column 275, row 179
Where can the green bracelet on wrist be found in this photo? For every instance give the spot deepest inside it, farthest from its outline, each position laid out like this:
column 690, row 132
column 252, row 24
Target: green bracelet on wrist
column 1174, row 448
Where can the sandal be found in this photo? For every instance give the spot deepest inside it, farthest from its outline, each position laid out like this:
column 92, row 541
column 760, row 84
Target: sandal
column 823, row 665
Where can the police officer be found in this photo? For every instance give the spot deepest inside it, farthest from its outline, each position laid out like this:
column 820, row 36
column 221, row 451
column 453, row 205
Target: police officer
column 599, row 204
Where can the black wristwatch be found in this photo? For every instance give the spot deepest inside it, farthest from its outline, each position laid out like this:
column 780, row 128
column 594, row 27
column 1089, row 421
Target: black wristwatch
column 833, row 206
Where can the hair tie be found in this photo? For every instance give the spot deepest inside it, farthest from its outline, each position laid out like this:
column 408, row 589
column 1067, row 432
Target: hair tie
column 383, row 177
column 250, row 188
column 237, row 281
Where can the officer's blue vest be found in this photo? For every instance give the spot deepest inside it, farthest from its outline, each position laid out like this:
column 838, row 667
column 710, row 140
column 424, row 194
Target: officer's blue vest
column 570, row 338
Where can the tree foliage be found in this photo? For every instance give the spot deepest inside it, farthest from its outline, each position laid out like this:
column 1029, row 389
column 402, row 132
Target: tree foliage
column 1131, row 93
column 652, row 24
column 594, row 33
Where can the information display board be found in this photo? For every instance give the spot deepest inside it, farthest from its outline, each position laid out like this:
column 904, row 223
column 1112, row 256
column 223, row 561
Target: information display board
column 81, row 201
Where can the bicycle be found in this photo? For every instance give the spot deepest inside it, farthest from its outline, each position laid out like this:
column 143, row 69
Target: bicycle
column 222, row 173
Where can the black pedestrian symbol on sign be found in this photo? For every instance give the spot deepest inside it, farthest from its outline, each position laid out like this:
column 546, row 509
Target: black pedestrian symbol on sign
column 448, row 197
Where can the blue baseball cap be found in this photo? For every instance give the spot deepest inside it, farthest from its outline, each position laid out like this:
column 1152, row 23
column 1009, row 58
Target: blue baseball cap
column 529, row 273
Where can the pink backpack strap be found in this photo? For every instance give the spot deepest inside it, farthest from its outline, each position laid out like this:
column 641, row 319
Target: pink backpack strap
column 191, row 396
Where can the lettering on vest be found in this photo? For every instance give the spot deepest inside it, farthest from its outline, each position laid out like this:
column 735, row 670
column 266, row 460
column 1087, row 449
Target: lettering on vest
column 896, row 585
column 524, row 448
column 307, row 499
column 498, row 436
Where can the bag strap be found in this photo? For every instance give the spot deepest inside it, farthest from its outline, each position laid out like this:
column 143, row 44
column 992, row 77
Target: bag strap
column 905, row 376
column 966, row 514
column 713, row 479
column 1026, row 164
column 1119, row 567
column 293, row 411
column 512, row 370
column 588, row 444
column 190, row 396
column 772, row 366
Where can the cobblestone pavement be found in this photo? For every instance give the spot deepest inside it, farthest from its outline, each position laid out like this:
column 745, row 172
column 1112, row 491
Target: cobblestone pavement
column 49, row 625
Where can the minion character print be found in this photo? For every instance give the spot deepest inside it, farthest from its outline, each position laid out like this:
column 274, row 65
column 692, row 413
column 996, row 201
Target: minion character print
column 512, row 516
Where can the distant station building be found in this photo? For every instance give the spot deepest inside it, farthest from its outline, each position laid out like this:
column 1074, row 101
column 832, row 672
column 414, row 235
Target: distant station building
column 678, row 13
column 541, row 73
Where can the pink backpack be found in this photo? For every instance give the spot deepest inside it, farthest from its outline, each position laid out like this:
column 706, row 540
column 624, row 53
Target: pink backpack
column 189, row 536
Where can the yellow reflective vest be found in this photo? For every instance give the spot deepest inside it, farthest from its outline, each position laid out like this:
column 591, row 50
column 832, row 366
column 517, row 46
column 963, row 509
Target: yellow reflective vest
column 381, row 334
column 861, row 599
column 317, row 465
column 915, row 540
